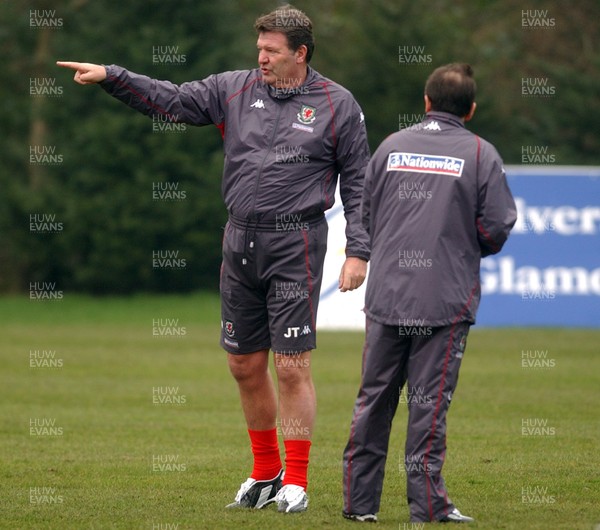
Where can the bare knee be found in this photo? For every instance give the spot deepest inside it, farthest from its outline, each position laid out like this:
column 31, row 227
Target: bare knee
column 249, row 367
column 293, row 370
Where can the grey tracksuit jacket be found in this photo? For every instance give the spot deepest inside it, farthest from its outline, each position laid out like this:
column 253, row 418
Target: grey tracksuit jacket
column 283, row 149
column 436, row 200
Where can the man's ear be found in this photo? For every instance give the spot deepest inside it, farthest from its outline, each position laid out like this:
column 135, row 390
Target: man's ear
column 427, row 103
column 301, row 53
column 471, row 112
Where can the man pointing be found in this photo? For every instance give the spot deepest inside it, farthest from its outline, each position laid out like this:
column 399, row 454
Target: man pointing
column 272, row 268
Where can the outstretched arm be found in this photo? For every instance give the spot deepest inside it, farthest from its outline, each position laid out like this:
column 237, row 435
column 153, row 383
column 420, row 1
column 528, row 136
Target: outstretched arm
column 85, row 73
column 196, row 102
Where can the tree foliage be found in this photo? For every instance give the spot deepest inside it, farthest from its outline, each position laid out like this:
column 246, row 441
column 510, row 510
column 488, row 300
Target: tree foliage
column 107, row 160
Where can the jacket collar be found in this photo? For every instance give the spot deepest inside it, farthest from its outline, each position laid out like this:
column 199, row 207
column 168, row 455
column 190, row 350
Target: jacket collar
column 286, row 93
column 446, row 117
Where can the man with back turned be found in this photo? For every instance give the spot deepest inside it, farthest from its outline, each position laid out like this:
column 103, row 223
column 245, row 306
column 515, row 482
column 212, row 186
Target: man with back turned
column 436, row 201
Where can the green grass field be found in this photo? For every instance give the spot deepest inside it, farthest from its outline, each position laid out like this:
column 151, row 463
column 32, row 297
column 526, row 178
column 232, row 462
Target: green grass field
column 85, row 446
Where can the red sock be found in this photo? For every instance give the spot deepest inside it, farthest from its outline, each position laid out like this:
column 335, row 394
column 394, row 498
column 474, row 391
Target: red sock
column 265, row 448
column 296, row 462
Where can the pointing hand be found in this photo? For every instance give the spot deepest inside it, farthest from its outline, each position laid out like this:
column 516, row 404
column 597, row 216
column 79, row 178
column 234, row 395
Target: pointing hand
column 85, row 73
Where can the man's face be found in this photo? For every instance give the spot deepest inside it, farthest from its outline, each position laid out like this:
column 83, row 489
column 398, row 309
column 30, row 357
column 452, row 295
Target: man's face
column 278, row 64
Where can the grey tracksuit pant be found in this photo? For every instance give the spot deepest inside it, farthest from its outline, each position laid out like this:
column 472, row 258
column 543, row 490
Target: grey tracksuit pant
column 427, row 360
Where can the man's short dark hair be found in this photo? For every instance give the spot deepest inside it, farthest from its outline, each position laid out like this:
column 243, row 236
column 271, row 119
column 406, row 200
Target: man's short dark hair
column 451, row 88
column 293, row 23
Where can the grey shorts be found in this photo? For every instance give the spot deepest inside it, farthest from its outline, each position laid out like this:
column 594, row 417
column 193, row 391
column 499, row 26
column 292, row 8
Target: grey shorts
column 270, row 285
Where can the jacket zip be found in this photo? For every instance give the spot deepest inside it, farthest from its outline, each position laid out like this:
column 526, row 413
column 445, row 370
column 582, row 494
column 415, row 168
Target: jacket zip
column 268, row 152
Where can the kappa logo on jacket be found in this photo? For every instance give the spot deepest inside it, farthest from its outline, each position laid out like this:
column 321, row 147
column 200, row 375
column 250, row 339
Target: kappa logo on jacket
column 258, row 104
column 433, row 126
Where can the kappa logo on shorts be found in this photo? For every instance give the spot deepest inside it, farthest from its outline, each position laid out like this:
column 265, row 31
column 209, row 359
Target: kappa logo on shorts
column 419, row 163
column 295, row 332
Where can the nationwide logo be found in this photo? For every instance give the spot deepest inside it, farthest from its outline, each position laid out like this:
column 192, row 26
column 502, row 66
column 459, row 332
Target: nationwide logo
column 418, row 163
column 307, row 114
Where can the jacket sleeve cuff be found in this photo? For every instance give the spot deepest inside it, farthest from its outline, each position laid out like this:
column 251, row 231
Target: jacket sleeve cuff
column 361, row 255
column 110, row 75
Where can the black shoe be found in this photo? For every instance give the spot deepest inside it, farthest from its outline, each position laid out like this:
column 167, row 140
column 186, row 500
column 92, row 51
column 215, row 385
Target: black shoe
column 364, row 518
column 257, row 493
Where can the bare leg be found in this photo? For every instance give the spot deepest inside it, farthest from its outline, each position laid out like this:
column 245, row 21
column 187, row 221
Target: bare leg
column 297, row 398
column 257, row 391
